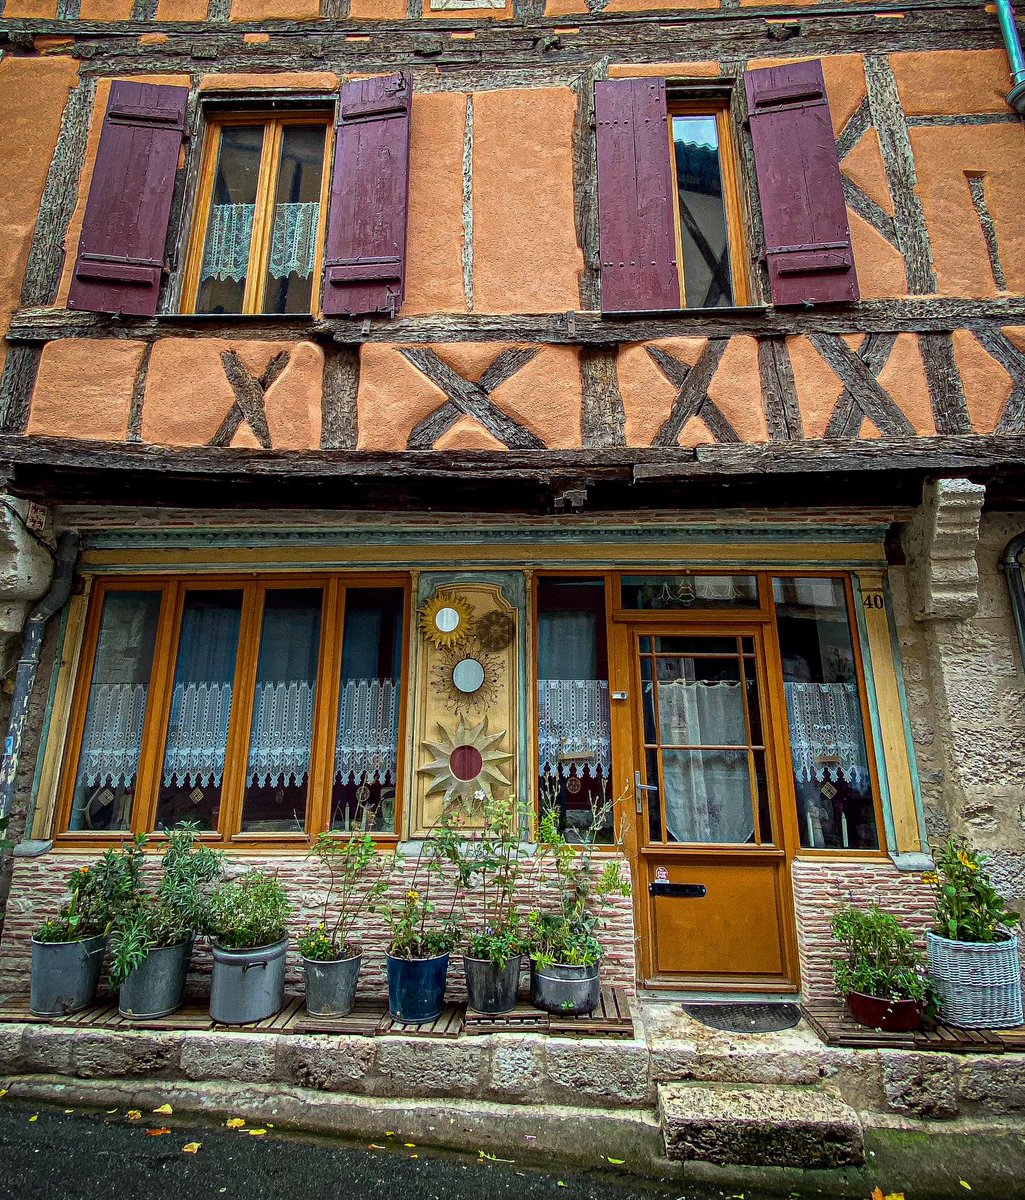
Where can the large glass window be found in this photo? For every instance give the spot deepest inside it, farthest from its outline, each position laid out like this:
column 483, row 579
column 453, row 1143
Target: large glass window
column 835, row 801
column 574, row 739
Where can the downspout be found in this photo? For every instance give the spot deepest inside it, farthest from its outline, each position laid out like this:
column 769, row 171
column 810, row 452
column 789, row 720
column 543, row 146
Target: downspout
column 31, row 645
column 1015, row 572
column 1012, row 40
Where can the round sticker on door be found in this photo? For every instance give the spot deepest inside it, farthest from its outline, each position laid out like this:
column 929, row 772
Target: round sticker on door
column 661, row 875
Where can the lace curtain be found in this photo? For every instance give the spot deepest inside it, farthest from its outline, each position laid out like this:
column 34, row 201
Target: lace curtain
column 368, row 729
column 574, row 720
column 293, row 248
column 282, row 733
column 826, row 734
column 113, row 734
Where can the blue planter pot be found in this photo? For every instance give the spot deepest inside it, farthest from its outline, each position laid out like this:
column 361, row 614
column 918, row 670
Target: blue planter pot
column 416, row 988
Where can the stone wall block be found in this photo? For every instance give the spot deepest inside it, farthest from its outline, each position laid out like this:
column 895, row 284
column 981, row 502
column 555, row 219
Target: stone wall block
column 46, row 1050
column 941, row 541
column 240, row 1057
column 921, row 1085
column 433, row 1067
column 603, row 1074
column 338, row 1064
column 517, row 1067
column 10, row 1047
column 995, row 1084
column 735, row 1064
column 124, row 1054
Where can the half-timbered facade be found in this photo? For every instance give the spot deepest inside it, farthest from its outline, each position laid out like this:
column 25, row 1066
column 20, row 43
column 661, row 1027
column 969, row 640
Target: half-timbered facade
column 609, row 403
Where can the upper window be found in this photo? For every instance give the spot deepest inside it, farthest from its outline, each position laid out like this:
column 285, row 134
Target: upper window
column 258, row 237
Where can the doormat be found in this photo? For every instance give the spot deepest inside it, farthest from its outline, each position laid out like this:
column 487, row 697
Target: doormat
column 745, row 1017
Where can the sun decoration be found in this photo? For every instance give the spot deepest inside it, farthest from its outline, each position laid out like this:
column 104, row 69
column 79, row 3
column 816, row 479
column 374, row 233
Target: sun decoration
column 495, row 630
column 466, row 761
column 466, row 678
column 445, row 619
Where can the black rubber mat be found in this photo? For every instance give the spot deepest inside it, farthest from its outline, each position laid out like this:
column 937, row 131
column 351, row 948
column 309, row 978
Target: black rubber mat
column 745, row 1017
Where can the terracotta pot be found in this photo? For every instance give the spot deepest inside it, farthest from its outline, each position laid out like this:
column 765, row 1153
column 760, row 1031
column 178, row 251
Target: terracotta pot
column 895, row 1016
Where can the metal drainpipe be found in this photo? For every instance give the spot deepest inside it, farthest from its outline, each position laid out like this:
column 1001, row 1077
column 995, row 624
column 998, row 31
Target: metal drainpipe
column 31, row 645
column 1015, row 572
column 1012, row 40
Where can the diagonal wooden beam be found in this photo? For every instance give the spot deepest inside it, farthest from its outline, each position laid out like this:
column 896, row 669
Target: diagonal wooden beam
column 867, row 392
column 249, row 397
column 1012, row 360
column 466, row 398
column 858, row 124
column 692, row 397
column 846, row 418
column 779, row 392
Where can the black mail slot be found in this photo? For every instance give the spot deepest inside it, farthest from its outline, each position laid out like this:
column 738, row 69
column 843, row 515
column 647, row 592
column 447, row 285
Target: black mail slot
column 694, row 891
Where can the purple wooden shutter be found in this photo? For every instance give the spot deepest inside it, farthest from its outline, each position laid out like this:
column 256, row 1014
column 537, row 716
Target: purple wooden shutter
column 365, row 260
column 121, row 251
column 807, row 235
column 636, row 214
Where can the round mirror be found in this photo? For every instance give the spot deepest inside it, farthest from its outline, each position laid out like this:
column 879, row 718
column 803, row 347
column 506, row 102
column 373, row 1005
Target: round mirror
column 468, row 675
column 447, row 620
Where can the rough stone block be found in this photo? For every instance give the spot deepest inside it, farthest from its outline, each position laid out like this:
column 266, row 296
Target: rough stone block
column 995, row 1083
column 10, row 1047
column 596, row 1072
column 240, row 1057
column 46, row 1050
column 123, row 1054
column 924, row 1085
column 517, row 1067
column 770, row 1126
column 339, row 1064
column 432, row 1067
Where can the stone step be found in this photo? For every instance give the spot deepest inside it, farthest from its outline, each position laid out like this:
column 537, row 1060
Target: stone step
column 783, row 1126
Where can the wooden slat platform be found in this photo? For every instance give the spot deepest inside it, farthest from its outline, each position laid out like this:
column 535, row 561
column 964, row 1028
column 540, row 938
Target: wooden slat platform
column 835, row 1026
column 611, row 1019
column 364, row 1020
column 448, row 1025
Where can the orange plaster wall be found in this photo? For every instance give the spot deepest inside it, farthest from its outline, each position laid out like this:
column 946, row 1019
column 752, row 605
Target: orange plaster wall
column 943, row 156
column 987, row 385
column 39, row 9
column 525, row 253
column 75, row 225
column 33, row 93
column 952, row 81
column 647, row 394
column 393, row 397
column 818, row 388
column 287, row 81
column 434, row 265
column 880, row 266
column 379, row 10
column 84, row 389
column 182, row 10
column 275, row 10
column 844, row 75
column 675, row 70
column 106, row 10
column 904, row 378
column 188, row 394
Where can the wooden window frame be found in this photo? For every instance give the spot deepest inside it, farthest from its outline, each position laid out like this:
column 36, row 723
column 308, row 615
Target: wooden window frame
column 229, row 833
column 719, row 107
column 259, row 247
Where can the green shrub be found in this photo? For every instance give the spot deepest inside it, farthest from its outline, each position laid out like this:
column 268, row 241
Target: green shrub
column 249, row 912
column 881, row 960
column 968, row 906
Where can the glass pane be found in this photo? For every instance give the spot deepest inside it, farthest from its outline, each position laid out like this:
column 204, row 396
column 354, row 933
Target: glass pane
column 690, row 591
column 367, row 736
column 197, row 734
column 574, row 722
column 648, row 700
column 764, row 810
column 703, row 227
column 296, row 221
column 708, row 796
column 827, row 736
column 698, row 711
column 114, row 716
column 229, row 231
column 281, row 737
column 653, row 799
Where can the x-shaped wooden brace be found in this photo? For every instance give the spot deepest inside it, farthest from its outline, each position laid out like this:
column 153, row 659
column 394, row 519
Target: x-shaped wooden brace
column 863, row 394
column 858, row 199
column 249, row 393
column 1012, row 360
column 692, row 398
column 471, row 399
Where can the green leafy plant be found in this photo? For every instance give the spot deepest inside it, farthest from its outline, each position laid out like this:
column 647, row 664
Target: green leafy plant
column 416, row 926
column 96, row 895
column 175, row 908
column 250, row 911
column 968, row 906
column 881, row 958
column 355, row 883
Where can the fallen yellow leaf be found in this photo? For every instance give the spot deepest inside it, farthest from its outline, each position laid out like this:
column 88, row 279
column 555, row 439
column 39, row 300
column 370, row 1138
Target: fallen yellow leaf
column 389, row 1133
column 965, row 1185
column 191, row 1147
column 165, row 1110
column 410, row 1145
column 414, row 1156
column 157, row 1132
column 235, row 1123
column 256, row 1132
column 134, row 1114
column 877, row 1194
column 35, row 1117
column 69, row 1110
column 618, row 1161
column 3, row 1091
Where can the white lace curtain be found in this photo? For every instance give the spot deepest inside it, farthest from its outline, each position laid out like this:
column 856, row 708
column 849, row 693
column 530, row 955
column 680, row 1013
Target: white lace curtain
column 368, row 729
column 293, row 247
column 113, row 734
column 574, row 721
column 826, row 734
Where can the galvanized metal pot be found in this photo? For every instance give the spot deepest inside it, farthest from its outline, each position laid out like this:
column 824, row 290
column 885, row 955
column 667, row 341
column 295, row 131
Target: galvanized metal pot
column 416, row 988
column 331, row 986
column 65, row 975
column 491, row 988
column 247, row 985
column 566, row 991
column 155, row 987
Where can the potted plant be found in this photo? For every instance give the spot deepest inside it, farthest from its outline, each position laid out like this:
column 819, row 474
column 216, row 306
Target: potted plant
column 419, row 943
column 565, row 950
column 882, row 974
column 67, row 950
column 488, row 864
column 152, row 933
column 331, row 957
column 974, row 962
column 248, row 919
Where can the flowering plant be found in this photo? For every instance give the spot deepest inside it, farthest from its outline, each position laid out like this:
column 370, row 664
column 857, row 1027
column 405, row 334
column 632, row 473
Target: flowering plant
column 968, row 906
column 413, row 927
column 96, row 895
column 355, row 881
column 881, row 958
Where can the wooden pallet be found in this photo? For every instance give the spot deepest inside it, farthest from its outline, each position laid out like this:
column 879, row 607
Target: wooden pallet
column 611, row 1019
column 524, row 1018
column 835, row 1026
column 448, row 1025
column 363, row 1021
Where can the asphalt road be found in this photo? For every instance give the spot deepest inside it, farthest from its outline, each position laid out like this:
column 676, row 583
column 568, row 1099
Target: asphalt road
column 87, row 1155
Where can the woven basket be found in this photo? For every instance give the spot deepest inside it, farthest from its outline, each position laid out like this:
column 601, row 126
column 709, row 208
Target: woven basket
column 978, row 984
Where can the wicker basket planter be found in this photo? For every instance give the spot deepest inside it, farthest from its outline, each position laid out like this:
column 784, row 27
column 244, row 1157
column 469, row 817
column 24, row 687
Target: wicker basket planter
column 978, row 984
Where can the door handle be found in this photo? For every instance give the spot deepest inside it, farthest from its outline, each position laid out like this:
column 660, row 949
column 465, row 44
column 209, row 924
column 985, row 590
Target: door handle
column 641, row 787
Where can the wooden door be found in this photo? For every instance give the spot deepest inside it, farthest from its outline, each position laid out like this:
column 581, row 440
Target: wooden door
column 711, row 865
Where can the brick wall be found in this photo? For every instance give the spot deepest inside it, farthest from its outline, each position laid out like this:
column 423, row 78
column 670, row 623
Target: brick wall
column 38, row 888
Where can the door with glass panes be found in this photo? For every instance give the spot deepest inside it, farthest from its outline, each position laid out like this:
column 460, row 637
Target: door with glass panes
column 711, row 865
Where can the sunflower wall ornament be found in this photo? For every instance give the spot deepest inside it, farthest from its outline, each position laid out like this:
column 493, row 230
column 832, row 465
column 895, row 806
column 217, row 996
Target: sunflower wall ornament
column 495, row 630
column 466, row 678
column 445, row 620
column 466, row 761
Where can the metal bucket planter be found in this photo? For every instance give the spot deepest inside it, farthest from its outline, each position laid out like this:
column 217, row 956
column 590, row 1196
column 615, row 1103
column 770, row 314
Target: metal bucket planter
column 247, row 985
column 491, row 988
column 568, row 991
column 155, row 987
column 416, row 988
column 894, row 1016
column 331, row 986
column 65, row 975
column 978, row 984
